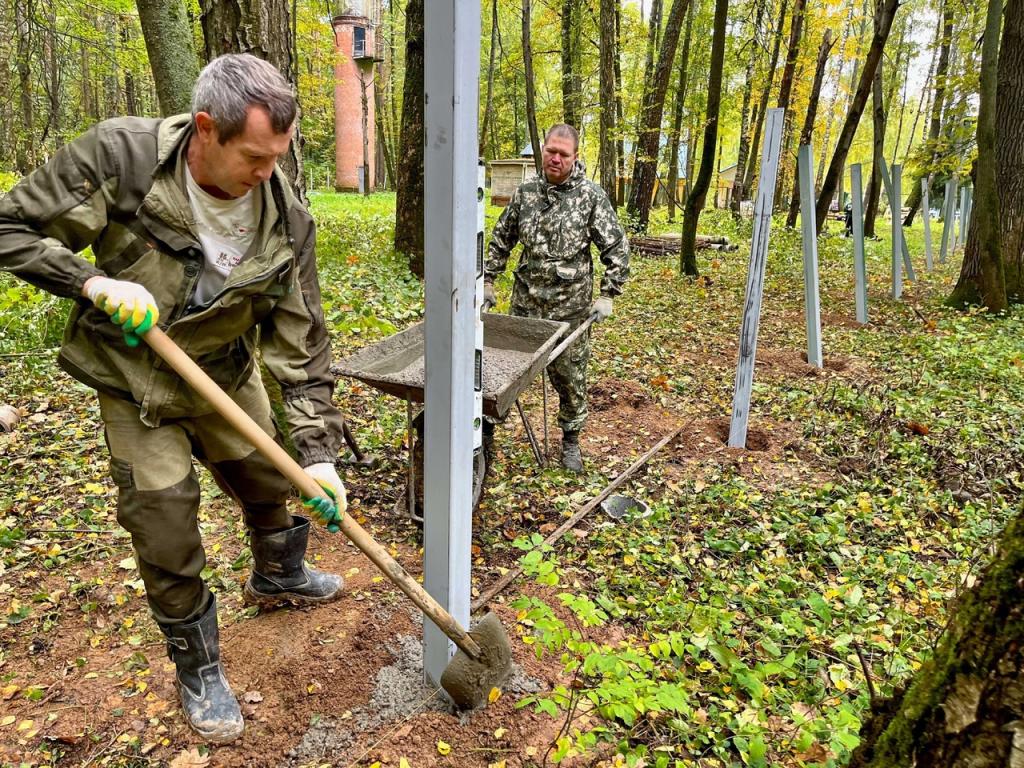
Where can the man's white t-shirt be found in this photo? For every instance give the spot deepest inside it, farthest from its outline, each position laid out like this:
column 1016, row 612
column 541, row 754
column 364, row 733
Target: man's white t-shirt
column 226, row 229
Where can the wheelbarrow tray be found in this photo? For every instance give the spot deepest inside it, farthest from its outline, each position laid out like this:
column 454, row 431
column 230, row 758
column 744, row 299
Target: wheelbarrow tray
column 515, row 351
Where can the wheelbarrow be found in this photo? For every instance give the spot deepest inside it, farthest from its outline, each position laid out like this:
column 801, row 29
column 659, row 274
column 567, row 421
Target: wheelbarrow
column 516, row 349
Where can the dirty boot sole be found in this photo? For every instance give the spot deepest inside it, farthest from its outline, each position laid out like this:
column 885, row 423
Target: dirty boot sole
column 223, row 733
column 277, row 599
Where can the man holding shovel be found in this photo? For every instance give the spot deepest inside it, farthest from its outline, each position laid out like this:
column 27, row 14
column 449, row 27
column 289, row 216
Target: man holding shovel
column 194, row 229
column 556, row 216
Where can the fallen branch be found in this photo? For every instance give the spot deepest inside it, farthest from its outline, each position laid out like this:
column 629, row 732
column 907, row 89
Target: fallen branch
column 573, row 521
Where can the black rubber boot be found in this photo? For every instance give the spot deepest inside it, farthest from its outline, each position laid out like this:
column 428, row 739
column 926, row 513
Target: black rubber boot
column 279, row 573
column 211, row 709
column 572, row 459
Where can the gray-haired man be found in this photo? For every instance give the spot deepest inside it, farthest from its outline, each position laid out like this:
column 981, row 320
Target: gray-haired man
column 193, row 228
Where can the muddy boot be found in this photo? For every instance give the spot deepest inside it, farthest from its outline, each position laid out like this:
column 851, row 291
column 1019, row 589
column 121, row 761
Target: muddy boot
column 572, row 459
column 211, row 709
column 279, row 573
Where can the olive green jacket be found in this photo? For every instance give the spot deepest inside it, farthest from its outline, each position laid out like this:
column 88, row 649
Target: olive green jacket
column 120, row 189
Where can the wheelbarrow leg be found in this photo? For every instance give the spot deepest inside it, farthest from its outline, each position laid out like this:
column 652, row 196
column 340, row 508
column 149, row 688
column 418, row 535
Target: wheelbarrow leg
column 544, row 395
column 541, row 460
column 410, row 484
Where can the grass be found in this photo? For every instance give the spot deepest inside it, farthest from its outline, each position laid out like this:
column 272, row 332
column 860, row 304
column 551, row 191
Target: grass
column 727, row 628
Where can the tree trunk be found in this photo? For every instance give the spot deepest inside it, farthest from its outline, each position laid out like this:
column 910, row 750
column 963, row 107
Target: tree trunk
column 981, row 277
column 168, row 34
column 1010, row 148
column 571, row 79
column 677, row 118
column 606, row 160
column 485, row 122
column 620, row 115
column 531, row 105
column 755, row 143
column 698, row 195
column 738, row 190
column 786, row 92
column 25, row 153
column 645, row 169
column 263, row 29
column 877, row 153
column 409, row 187
column 884, row 16
column 963, row 707
column 935, row 125
column 831, row 110
column 807, row 132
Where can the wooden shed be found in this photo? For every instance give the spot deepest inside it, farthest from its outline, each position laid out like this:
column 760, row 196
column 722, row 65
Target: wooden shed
column 507, row 175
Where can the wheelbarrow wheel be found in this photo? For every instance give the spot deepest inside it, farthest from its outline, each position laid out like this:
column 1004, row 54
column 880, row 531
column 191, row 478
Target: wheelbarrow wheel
column 480, row 467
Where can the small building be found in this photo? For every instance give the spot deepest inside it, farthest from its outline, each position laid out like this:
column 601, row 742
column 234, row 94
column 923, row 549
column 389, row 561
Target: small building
column 726, row 181
column 507, row 175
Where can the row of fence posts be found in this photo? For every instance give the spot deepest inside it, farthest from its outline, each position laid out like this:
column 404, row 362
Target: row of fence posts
column 954, row 234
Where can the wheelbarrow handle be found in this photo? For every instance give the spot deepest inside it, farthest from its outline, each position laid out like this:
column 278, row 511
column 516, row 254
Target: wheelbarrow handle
column 208, row 389
column 568, row 340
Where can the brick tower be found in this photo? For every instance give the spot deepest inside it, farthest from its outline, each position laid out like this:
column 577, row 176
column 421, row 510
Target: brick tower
column 354, row 126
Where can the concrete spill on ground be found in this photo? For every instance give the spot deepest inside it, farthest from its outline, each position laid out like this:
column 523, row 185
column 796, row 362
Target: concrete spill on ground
column 399, row 692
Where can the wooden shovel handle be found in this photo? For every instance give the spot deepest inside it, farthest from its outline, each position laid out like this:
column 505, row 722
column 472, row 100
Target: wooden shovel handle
column 207, row 388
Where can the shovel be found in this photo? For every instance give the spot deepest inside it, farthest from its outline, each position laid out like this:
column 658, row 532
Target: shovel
column 484, row 659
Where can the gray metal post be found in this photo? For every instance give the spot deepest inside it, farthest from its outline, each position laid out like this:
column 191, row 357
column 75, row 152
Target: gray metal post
column 897, row 231
column 927, row 212
column 860, row 274
column 896, row 209
column 812, row 309
column 947, row 219
column 451, row 69
column 755, row 278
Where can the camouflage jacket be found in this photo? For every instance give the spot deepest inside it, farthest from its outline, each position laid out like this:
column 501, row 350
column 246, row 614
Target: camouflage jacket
column 556, row 225
column 119, row 188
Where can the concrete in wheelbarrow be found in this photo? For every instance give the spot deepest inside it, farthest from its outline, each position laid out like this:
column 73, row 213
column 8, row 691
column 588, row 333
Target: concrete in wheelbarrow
column 515, row 351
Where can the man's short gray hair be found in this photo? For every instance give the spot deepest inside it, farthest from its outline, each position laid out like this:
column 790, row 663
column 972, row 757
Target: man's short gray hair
column 232, row 83
column 566, row 132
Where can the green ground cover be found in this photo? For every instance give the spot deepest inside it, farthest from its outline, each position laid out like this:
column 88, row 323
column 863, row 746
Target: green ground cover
column 735, row 624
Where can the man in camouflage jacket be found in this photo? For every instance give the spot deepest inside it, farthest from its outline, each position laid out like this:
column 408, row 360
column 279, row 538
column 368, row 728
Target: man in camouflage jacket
column 129, row 188
column 556, row 217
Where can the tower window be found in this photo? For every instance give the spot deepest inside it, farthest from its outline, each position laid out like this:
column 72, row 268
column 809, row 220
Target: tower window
column 358, row 42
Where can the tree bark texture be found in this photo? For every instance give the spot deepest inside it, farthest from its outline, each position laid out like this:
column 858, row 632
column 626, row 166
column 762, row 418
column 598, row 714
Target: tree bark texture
column 645, row 168
column 786, row 93
column 1010, row 148
column 263, row 29
column 168, row 34
column 531, row 98
column 606, row 159
column 571, row 81
column 409, row 200
column 25, row 152
column 738, row 189
column 981, row 275
column 886, row 12
column 485, row 122
column 698, row 195
column 620, row 114
column 874, row 193
column 935, row 124
column 807, row 132
column 965, row 706
column 755, row 142
column 677, row 117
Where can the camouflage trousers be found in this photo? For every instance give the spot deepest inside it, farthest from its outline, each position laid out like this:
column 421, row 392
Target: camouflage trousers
column 158, row 492
column 568, row 374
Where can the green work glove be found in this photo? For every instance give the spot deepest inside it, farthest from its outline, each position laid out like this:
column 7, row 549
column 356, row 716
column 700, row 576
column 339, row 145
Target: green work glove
column 326, row 511
column 129, row 305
